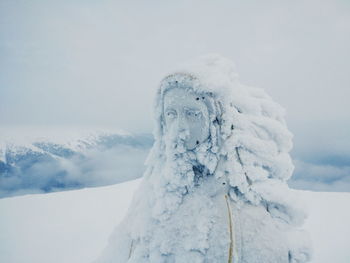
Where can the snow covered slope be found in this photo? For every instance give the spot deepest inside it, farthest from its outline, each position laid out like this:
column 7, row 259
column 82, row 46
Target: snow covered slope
column 74, row 226
column 70, row 226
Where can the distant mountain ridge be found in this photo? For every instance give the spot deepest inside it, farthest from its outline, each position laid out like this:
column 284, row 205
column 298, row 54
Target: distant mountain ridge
column 57, row 159
column 47, row 164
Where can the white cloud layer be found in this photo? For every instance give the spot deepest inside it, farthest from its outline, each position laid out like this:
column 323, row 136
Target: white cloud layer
column 98, row 63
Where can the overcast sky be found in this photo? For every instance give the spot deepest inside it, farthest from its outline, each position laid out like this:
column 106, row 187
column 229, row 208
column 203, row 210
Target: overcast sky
column 98, row 63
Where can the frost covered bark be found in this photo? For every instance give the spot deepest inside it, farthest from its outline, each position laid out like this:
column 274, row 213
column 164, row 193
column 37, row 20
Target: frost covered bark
column 215, row 187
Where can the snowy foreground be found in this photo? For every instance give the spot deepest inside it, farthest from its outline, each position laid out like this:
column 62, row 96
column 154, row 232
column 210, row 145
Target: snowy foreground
column 74, row 226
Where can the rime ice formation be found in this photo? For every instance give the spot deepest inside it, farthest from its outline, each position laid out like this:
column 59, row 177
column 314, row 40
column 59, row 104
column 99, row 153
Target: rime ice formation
column 215, row 187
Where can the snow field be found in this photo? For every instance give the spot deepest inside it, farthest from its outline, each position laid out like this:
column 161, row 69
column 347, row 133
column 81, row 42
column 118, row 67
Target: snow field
column 74, row 226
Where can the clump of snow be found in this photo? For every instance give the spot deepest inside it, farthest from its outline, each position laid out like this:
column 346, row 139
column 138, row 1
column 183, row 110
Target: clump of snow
column 225, row 199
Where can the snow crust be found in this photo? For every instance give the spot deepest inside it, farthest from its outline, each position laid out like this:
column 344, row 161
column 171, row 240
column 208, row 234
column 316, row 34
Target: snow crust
column 74, row 226
column 190, row 201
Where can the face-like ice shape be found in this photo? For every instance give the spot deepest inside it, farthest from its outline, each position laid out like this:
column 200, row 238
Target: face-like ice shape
column 186, row 117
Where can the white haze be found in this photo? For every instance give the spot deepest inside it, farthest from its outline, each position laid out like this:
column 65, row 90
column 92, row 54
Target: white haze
column 97, row 63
